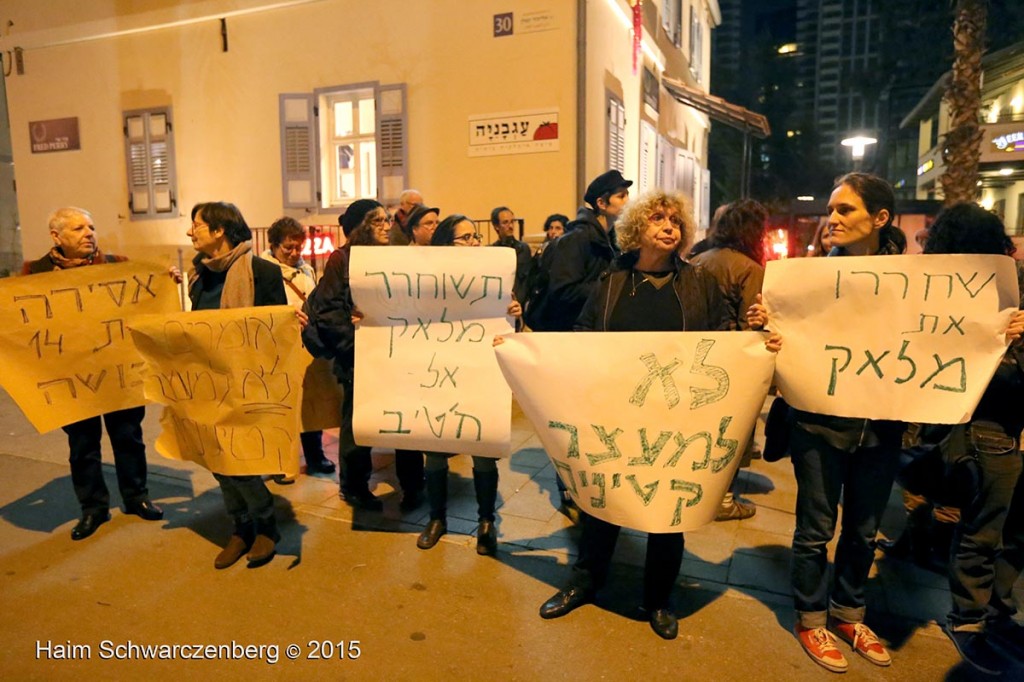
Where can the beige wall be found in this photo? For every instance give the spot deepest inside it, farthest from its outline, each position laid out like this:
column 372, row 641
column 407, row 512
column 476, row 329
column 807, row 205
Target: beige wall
column 225, row 105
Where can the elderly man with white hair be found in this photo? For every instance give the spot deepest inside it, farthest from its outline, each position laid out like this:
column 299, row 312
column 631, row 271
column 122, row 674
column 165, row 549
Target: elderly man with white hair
column 74, row 245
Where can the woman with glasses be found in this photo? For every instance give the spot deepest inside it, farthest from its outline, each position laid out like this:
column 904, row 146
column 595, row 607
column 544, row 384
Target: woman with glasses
column 647, row 288
column 226, row 274
column 458, row 230
column 286, row 238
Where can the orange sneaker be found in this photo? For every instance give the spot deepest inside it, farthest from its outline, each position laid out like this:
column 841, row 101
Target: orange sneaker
column 863, row 641
column 820, row 645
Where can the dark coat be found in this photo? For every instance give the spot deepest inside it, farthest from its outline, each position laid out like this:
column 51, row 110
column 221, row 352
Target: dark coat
column 524, row 261
column 267, row 282
column 700, row 299
column 329, row 307
column 580, row 256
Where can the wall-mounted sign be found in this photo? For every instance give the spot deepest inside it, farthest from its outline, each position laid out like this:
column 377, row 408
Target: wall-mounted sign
column 507, row 23
column 522, row 132
column 1009, row 142
column 503, row 24
column 55, row 135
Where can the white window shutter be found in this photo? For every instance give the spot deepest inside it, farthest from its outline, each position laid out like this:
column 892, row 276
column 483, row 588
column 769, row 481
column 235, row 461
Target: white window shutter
column 616, row 149
column 149, row 152
column 299, row 151
column 392, row 138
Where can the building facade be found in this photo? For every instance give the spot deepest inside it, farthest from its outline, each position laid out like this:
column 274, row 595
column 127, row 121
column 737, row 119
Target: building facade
column 1001, row 167
column 298, row 107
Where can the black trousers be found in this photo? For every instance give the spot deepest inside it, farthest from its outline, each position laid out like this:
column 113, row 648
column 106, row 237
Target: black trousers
column 661, row 566
column 355, row 462
column 409, row 470
column 124, row 428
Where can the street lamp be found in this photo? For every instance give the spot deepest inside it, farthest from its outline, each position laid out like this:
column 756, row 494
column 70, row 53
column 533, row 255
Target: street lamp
column 857, row 145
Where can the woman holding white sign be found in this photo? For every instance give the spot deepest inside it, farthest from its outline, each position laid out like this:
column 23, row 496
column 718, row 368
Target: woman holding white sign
column 458, row 230
column 842, row 460
column 648, row 288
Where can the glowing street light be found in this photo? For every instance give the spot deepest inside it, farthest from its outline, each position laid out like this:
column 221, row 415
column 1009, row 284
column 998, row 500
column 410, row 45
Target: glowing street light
column 858, row 144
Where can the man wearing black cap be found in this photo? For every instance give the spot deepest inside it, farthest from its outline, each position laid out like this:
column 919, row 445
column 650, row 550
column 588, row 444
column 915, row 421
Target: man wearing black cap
column 420, row 225
column 587, row 248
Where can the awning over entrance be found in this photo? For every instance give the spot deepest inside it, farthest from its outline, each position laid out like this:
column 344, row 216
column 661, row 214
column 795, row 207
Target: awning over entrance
column 718, row 109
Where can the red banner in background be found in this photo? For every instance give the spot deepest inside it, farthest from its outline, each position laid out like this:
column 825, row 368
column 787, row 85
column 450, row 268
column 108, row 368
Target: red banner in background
column 638, row 31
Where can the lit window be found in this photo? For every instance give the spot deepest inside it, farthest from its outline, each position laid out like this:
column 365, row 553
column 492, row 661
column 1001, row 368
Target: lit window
column 149, row 151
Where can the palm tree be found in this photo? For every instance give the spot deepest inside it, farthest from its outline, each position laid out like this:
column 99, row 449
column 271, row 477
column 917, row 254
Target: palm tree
column 962, row 144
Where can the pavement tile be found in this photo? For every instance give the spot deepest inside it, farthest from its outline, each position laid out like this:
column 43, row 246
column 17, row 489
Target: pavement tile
column 529, row 458
column 758, row 572
column 697, row 569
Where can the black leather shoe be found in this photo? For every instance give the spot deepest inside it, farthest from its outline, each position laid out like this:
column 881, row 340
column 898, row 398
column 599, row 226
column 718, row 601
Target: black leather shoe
column 324, row 466
column 89, row 523
column 565, row 601
column 363, row 500
column 432, row 533
column 664, row 624
column 144, row 509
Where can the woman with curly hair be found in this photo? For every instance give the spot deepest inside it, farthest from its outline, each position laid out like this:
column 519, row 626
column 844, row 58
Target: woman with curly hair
column 648, row 288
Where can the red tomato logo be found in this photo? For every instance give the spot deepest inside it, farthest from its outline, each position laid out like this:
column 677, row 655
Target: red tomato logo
column 546, row 131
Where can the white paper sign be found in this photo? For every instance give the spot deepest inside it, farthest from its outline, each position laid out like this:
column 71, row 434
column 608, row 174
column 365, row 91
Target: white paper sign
column 913, row 338
column 646, row 429
column 425, row 374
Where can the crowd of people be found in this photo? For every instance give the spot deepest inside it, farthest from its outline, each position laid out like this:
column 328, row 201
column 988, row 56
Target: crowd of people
column 620, row 265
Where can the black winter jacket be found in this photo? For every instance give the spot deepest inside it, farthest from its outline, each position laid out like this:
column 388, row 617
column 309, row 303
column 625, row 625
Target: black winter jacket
column 582, row 254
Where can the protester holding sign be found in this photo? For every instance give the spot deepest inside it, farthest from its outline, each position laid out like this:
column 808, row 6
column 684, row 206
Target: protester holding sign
column 842, row 460
column 75, row 245
column 990, row 446
column 648, row 289
column 458, row 230
column 226, row 274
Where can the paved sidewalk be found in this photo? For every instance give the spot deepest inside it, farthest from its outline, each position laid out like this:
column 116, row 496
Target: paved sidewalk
column 419, row 615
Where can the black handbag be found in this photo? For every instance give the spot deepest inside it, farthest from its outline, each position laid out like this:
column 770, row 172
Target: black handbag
column 776, row 431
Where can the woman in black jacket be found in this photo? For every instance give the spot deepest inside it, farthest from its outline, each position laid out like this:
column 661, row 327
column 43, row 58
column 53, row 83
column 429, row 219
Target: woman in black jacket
column 226, row 274
column 649, row 288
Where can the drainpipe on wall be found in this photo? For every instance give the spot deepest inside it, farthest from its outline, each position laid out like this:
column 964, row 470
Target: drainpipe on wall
column 581, row 98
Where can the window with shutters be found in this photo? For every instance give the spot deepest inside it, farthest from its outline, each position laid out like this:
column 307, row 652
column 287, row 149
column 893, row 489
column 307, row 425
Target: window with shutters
column 343, row 143
column 149, row 152
column 696, row 45
column 616, row 156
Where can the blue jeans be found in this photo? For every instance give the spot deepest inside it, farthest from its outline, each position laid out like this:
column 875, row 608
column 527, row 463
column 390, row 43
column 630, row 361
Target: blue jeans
column 978, row 536
column 826, row 476
column 246, row 498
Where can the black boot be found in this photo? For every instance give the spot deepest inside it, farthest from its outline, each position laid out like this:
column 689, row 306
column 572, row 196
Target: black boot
column 437, row 497
column 486, row 485
column 265, row 544
column 239, row 543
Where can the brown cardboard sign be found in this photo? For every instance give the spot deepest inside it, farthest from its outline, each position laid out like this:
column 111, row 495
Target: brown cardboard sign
column 55, row 135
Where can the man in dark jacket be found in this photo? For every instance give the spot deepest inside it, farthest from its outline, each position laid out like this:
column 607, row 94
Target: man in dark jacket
column 505, row 224
column 74, row 238
column 586, row 249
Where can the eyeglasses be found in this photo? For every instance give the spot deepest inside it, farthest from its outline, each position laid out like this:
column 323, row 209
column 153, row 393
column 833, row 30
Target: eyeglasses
column 468, row 237
column 290, row 248
column 379, row 221
column 197, row 225
column 660, row 218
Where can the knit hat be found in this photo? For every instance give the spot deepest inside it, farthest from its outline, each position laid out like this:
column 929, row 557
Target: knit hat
column 356, row 212
column 416, row 215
